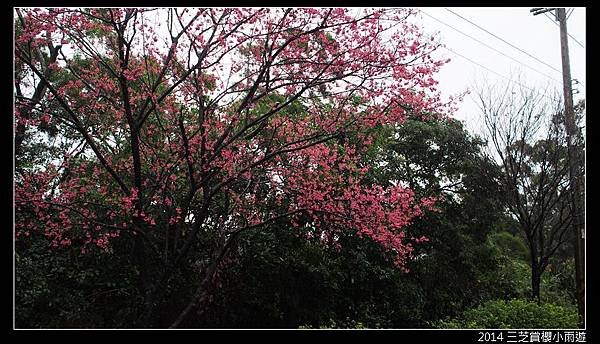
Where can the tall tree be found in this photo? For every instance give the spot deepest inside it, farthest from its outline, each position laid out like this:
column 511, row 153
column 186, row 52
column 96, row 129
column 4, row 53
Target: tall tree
column 527, row 135
column 180, row 129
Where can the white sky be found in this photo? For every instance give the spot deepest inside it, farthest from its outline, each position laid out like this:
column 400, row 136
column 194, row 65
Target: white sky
column 537, row 35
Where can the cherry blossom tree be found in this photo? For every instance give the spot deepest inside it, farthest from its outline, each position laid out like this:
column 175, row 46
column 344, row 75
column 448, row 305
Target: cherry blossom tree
column 162, row 127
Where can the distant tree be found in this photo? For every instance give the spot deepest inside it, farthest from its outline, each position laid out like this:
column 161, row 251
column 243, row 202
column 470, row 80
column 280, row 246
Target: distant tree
column 525, row 132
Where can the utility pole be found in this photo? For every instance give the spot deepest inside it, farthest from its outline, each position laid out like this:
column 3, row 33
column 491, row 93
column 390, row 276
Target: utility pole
column 574, row 164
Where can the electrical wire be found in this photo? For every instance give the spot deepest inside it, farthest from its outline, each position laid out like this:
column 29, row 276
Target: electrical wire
column 570, row 36
column 490, row 47
column 492, row 71
column 503, row 40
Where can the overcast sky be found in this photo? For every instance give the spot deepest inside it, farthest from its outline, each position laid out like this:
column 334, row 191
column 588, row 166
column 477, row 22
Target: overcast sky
column 536, row 35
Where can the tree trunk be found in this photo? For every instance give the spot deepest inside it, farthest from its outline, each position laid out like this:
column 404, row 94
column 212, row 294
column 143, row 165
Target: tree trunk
column 141, row 261
column 146, row 319
column 201, row 294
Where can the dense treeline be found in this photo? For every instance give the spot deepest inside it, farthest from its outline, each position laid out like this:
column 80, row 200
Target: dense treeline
column 278, row 278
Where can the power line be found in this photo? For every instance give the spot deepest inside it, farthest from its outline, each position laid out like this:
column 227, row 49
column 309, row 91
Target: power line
column 503, row 40
column 492, row 71
column 552, row 20
column 490, row 47
column 555, row 23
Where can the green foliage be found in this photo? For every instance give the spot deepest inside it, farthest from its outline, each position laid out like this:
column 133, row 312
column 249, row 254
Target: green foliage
column 558, row 283
column 345, row 324
column 442, row 159
column 515, row 314
column 511, row 279
column 509, row 245
column 290, row 282
column 64, row 289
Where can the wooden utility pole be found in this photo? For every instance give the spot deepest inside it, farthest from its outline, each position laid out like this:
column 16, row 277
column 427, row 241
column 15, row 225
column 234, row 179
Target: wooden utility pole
column 574, row 165
column 575, row 178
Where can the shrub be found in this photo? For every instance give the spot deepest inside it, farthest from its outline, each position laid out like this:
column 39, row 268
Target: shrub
column 514, row 314
column 509, row 245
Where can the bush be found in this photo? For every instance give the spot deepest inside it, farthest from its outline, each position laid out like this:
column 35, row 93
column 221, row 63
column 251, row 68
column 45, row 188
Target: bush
column 508, row 245
column 514, row 314
column 558, row 283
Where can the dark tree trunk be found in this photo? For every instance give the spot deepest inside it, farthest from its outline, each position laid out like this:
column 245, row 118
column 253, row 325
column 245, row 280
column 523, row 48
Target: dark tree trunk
column 141, row 260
